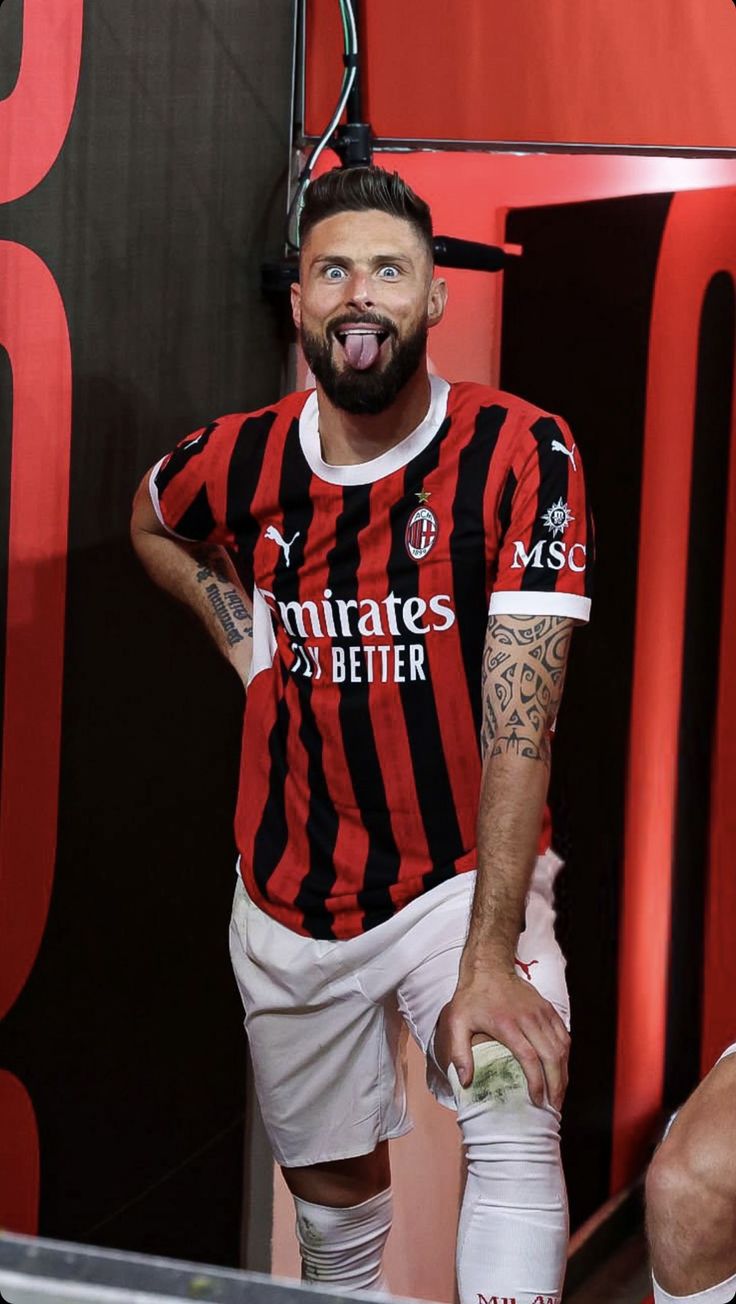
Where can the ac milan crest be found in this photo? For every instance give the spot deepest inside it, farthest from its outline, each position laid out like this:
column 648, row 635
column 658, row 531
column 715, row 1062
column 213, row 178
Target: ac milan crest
column 421, row 532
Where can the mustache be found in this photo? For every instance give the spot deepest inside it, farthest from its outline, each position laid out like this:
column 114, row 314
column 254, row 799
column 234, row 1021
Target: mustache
column 360, row 319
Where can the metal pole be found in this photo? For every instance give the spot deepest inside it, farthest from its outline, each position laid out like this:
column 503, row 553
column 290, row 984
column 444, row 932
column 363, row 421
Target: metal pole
column 354, row 105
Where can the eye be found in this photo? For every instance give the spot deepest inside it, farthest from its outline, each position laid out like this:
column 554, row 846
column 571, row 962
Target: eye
column 389, row 272
column 334, row 273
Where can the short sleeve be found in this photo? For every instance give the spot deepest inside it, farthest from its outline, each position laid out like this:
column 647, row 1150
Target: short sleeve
column 188, row 487
column 545, row 560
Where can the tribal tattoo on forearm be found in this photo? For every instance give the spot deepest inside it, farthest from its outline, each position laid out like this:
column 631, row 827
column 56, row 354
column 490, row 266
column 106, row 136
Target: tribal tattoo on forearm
column 225, row 600
column 523, row 676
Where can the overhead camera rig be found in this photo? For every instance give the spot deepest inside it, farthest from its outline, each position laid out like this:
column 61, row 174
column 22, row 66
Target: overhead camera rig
column 353, row 142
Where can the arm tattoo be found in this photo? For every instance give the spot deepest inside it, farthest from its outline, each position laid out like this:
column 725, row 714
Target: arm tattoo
column 225, row 600
column 523, row 675
column 211, row 564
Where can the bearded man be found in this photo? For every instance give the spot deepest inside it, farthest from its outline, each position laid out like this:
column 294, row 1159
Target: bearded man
column 393, row 565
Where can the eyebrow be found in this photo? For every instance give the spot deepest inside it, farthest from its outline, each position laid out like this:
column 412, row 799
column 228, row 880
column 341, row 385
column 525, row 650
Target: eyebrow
column 344, row 261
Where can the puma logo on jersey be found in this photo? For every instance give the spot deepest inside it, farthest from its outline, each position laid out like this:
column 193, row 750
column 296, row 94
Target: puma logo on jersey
column 273, row 533
column 557, row 447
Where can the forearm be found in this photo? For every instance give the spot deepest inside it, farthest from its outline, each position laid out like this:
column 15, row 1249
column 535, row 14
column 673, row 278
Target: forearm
column 202, row 578
column 523, row 676
column 512, row 801
column 524, row 660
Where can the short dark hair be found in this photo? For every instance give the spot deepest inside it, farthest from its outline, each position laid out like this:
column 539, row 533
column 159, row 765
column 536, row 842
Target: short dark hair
column 355, row 190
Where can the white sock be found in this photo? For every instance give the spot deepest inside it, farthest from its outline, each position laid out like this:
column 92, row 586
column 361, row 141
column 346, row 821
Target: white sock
column 513, row 1234
column 344, row 1247
column 724, row 1293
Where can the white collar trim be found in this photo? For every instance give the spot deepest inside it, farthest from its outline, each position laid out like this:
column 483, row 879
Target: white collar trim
column 386, row 463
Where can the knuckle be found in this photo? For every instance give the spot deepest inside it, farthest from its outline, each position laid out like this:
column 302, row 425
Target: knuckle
column 528, row 1057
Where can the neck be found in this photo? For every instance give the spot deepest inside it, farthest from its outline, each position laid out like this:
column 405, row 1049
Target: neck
column 348, row 439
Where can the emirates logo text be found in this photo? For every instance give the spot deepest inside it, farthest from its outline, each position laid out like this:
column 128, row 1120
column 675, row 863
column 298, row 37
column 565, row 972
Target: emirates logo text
column 328, row 637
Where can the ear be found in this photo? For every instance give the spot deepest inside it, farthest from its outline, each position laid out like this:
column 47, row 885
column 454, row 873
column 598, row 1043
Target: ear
column 437, row 300
column 296, row 304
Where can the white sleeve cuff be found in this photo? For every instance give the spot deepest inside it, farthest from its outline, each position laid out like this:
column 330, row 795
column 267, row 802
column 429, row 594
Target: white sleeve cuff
column 153, row 491
column 531, row 603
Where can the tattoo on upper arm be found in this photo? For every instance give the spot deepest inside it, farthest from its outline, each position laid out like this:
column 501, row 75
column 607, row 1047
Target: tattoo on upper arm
column 524, row 664
column 211, row 564
column 226, row 602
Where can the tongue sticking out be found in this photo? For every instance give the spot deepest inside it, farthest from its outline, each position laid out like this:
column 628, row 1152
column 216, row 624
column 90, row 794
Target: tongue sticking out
column 361, row 350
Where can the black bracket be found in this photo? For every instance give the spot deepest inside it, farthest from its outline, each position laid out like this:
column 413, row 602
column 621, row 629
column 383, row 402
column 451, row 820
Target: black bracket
column 353, row 144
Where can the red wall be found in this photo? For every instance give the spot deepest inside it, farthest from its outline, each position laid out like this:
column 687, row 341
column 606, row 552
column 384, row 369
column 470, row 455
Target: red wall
column 34, row 120
column 470, row 194
column 584, row 70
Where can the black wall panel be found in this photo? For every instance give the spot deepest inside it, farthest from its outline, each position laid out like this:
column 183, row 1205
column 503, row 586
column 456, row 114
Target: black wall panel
column 577, row 309
column 700, row 679
column 169, row 190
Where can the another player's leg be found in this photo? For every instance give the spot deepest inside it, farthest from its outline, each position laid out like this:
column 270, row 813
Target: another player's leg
column 691, row 1196
column 513, row 1232
column 343, row 1218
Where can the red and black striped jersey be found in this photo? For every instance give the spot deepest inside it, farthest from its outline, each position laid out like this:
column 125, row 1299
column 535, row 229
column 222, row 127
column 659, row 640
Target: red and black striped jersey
column 371, row 586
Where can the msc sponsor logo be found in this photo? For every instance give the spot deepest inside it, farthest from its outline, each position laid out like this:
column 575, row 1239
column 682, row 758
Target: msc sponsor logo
column 549, row 554
column 557, row 518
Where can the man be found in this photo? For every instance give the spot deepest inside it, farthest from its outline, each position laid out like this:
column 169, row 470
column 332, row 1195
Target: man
column 396, row 739
column 691, row 1195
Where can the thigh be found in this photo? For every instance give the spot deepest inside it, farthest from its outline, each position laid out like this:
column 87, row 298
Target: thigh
column 539, row 958
column 327, row 1062
column 431, row 961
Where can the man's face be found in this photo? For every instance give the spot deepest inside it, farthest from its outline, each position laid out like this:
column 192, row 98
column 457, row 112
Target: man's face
column 364, row 303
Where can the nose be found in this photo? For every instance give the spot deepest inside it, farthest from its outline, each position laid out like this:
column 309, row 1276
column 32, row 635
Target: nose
column 359, row 289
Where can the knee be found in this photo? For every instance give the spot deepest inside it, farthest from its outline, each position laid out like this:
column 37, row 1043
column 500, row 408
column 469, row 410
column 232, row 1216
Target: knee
column 504, row 1134
column 499, row 1091
column 686, row 1183
column 665, row 1185
column 343, row 1246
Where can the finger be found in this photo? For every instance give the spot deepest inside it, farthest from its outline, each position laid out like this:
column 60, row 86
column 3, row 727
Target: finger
column 562, row 1039
column 552, row 1016
column 552, row 1057
column 461, row 1054
column 558, row 1026
column 552, row 1023
column 565, row 1080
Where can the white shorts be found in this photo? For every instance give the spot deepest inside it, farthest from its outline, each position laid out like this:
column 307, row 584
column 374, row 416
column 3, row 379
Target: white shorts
column 327, row 1021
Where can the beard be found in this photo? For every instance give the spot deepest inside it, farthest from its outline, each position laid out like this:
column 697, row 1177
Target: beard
column 365, row 393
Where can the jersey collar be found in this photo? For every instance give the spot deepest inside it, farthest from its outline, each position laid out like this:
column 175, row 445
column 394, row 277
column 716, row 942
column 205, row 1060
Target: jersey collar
column 386, row 463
